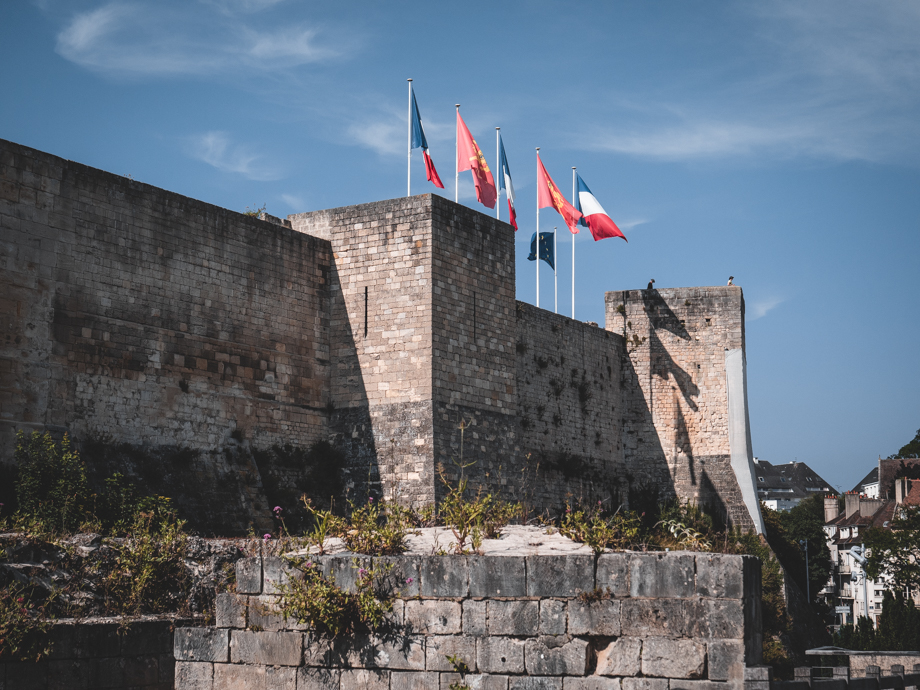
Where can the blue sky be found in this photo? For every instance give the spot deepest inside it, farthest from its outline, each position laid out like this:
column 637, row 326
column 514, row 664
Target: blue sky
column 778, row 142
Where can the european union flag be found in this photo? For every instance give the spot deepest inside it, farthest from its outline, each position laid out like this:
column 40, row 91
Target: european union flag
column 546, row 248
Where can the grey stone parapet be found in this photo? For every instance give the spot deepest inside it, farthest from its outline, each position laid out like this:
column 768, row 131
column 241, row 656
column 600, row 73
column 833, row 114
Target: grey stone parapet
column 627, row 621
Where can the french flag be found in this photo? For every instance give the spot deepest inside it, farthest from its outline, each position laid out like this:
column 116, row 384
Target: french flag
column 504, row 181
column 594, row 217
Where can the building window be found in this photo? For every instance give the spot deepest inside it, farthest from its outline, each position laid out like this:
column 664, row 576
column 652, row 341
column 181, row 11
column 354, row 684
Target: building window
column 760, row 479
column 878, row 592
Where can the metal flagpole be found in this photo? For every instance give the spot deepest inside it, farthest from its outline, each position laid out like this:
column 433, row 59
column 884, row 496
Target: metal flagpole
column 575, row 204
column 538, row 233
column 409, row 173
column 555, row 274
column 498, row 187
column 457, row 175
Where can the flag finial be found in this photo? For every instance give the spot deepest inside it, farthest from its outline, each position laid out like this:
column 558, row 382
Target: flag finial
column 408, row 79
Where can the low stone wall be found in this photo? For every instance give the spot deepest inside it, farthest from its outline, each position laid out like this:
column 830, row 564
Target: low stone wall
column 99, row 653
column 655, row 621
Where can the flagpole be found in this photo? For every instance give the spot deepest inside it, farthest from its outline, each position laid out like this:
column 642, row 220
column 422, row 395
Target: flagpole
column 538, row 234
column 498, row 186
column 457, row 175
column 555, row 274
column 575, row 204
column 409, row 171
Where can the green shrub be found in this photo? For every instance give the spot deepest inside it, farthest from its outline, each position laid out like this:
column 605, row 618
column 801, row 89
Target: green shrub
column 590, row 526
column 51, row 487
column 315, row 600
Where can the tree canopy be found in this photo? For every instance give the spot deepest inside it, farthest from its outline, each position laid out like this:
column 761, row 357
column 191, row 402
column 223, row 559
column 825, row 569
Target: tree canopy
column 894, row 552
column 911, row 450
column 805, row 522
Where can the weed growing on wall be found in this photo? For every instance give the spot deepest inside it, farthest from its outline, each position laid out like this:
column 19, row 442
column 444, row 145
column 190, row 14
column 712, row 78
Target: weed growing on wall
column 24, row 625
column 313, row 599
column 590, row 526
column 378, row 528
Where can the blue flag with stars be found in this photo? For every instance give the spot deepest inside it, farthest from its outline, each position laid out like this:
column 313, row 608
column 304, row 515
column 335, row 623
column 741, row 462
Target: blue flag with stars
column 546, row 248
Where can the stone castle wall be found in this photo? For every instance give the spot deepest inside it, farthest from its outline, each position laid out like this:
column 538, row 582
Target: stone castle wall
column 675, row 621
column 141, row 317
column 181, row 339
column 675, row 388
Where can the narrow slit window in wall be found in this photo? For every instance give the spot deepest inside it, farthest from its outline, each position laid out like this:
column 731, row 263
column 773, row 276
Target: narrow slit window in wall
column 365, row 311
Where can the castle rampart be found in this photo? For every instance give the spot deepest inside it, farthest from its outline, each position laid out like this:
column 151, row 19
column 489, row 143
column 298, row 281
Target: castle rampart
column 188, row 337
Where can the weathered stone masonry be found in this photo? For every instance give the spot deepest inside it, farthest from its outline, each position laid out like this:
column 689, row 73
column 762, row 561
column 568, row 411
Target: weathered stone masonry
column 676, row 621
column 194, row 334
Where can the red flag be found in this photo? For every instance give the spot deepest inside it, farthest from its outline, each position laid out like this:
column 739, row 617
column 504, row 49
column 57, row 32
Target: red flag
column 430, row 171
column 469, row 157
column 548, row 194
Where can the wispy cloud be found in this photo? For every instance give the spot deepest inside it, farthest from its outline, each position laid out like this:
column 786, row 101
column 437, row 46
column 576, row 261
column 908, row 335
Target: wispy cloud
column 295, row 202
column 759, row 308
column 630, row 224
column 216, row 149
column 834, row 80
column 145, row 39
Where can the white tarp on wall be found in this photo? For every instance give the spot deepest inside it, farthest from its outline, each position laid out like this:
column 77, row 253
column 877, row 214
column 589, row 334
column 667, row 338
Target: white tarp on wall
column 739, row 434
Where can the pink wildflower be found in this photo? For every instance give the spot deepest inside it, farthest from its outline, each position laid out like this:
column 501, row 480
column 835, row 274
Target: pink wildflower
column 266, row 537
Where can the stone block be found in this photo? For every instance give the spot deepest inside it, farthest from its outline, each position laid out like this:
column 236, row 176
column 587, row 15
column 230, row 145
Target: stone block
column 439, row 647
column 474, row 682
column 167, row 668
column 500, row 655
column 140, row 671
column 249, row 576
column 272, row 648
column 681, row 684
column 724, row 618
column 513, row 617
column 662, row 618
column 590, row 683
column 534, row 683
column 202, row 644
column 344, row 570
column 414, row 680
column 559, row 576
column 444, row 576
column 552, row 617
column 263, row 614
column 725, row 660
column 25, row 675
column 276, row 573
column 404, row 653
column 241, row 677
column 719, row 576
column 230, row 610
column 556, row 655
column 110, row 672
column 67, row 674
column 667, row 658
column 321, row 651
column 474, row 618
column 364, row 679
column 621, row 657
column 433, row 617
column 645, row 684
column 613, row 573
column 662, row 575
column 317, row 678
column 497, row 576
column 595, row 618
column 402, row 577
column 194, row 675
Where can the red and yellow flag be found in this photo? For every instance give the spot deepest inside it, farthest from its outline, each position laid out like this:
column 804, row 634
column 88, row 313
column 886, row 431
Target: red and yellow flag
column 469, row 157
column 548, row 194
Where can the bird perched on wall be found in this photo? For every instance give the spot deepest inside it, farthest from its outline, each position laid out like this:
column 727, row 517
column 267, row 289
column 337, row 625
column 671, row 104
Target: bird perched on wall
column 730, row 279
column 651, row 284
